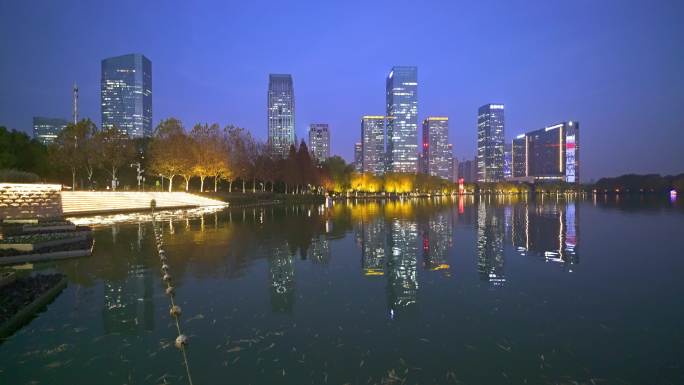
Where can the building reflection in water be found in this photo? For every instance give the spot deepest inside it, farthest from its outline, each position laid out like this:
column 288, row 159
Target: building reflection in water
column 437, row 241
column 319, row 250
column 402, row 280
column 281, row 279
column 548, row 230
column 128, row 301
column 371, row 238
column 490, row 241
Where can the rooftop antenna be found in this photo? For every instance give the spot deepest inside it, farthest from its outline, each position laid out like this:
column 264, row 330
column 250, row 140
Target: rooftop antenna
column 75, row 102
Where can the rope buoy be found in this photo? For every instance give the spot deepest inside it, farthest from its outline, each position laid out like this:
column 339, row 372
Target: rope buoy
column 170, row 290
column 175, row 311
column 167, row 277
column 181, row 341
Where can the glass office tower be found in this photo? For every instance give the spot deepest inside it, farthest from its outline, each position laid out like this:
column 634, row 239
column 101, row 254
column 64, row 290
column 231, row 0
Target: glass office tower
column 126, row 94
column 319, row 141
column 281, row 114
column 550, row 153
column 358, row 157
column 402, row 129
column 373, row 144
column 519, row 156
column 490, row 143
column 436, row 150
column 45, row 130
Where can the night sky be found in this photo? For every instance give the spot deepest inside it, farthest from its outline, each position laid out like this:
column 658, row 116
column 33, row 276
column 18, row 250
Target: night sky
column 615, row 66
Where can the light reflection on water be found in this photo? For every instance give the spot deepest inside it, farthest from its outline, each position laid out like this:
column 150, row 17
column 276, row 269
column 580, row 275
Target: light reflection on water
column 474, row 289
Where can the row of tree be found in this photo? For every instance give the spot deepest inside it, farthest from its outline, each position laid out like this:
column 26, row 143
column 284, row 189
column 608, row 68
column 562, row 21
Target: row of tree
column 641, row 183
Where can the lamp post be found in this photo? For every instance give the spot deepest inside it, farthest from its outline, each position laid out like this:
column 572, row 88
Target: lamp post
column 139, row 170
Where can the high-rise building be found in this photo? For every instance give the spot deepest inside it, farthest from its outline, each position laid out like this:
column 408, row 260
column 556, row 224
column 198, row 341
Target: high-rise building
column 402, row 124
column 550, row 153
column 358, row 157
column 454, row 168
column 319, row 141
column 126, row 94
column 436, row 147
column 519, row 156
column 45, row 130
column 467, row 169
column 281, row 114
column 508, row 160
column 373, row 144
column 490, row 143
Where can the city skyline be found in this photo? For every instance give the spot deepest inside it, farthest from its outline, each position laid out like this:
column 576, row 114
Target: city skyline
column 626, row 77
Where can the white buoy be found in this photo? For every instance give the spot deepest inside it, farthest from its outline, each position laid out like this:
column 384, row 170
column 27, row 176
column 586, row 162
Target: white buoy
column 165, row 268
column 166, row 277
column 170, row 290
column 181, row 341
column 175, row 311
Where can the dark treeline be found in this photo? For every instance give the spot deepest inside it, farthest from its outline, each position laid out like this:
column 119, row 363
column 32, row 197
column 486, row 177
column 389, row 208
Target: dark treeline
column 641, row 183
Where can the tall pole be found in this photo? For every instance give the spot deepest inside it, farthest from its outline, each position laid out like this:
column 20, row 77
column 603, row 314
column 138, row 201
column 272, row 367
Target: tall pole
column 75, row 102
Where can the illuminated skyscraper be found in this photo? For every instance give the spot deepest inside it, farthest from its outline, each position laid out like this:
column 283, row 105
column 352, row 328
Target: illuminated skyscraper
column 319, row 141
column 508, row 160
column 490, row 143
column 519, row 157
column 436, row 147
column 358, row 156
column 550, row 153
column 45, row 130
column 402, row 123
column 373, row 144
column 126, row 94
column 281, row 114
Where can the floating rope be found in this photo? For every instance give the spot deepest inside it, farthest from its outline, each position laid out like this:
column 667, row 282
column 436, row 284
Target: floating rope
column 175, row 310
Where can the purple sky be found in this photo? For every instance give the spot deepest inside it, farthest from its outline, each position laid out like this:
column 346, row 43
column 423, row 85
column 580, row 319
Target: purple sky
column 615, row 66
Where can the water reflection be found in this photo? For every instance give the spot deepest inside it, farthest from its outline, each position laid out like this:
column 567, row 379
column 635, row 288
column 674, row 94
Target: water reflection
column 490, row 242
column 399, row 243
column 548, row 230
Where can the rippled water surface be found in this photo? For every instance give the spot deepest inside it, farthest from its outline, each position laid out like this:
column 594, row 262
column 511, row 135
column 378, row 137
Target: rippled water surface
column 474, row 290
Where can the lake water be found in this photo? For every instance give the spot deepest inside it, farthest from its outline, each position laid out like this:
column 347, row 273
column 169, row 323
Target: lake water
column 479, row 290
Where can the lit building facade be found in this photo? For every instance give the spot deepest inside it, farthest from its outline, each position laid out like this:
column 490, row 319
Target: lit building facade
column 452, row 162
column 436, row 147
column 373, row 144
column 281, row 114
column 519, row 157
column 508, row 160
column 402, row 124
column 319, row 141
column 45, row 130
column 126, row 94
column 548, row 154
column 490, row 143
column 358, row 157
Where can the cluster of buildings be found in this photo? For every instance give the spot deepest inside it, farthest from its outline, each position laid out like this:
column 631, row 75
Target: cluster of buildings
column 389, row 142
